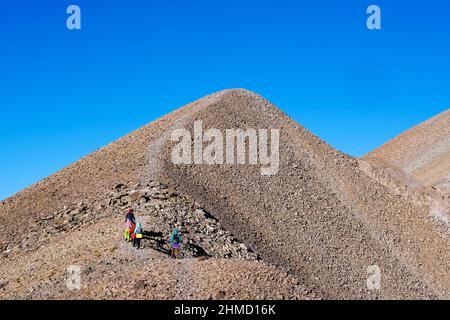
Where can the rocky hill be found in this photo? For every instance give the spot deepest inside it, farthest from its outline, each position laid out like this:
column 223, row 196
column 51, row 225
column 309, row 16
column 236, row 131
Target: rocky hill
column 314, row 229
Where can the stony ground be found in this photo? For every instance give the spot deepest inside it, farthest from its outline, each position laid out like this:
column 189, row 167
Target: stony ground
column 311, row 231
column 159, row 209
column 89, row 235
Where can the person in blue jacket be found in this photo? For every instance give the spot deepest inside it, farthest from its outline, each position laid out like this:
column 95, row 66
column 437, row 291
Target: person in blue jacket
column 175, row 244
column 137, row 236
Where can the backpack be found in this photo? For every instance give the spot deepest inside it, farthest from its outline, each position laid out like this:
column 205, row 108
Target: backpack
column 138, row 230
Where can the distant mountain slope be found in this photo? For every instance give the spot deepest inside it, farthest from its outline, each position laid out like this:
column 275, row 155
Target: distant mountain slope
column 422, row 152
column 321, row 218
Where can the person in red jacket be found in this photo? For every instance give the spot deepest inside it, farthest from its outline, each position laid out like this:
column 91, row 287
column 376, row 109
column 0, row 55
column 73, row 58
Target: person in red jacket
column 133, row 235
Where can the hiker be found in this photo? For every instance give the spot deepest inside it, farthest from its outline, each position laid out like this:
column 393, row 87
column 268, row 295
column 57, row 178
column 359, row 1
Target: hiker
column 129, row 220
column 131, row 231
column 175, row 244
column 130, row 216
column 137, row 236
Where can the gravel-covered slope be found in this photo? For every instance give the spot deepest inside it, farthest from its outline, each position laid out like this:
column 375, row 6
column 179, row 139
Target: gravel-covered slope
column 321, row 216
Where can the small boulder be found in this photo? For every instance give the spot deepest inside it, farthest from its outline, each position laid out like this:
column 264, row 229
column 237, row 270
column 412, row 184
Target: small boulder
column 219, row 295
column 49, row 217
column 140, row 285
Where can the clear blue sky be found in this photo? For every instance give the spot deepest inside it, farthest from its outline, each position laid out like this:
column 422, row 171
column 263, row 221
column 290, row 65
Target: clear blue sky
column 64, row 94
